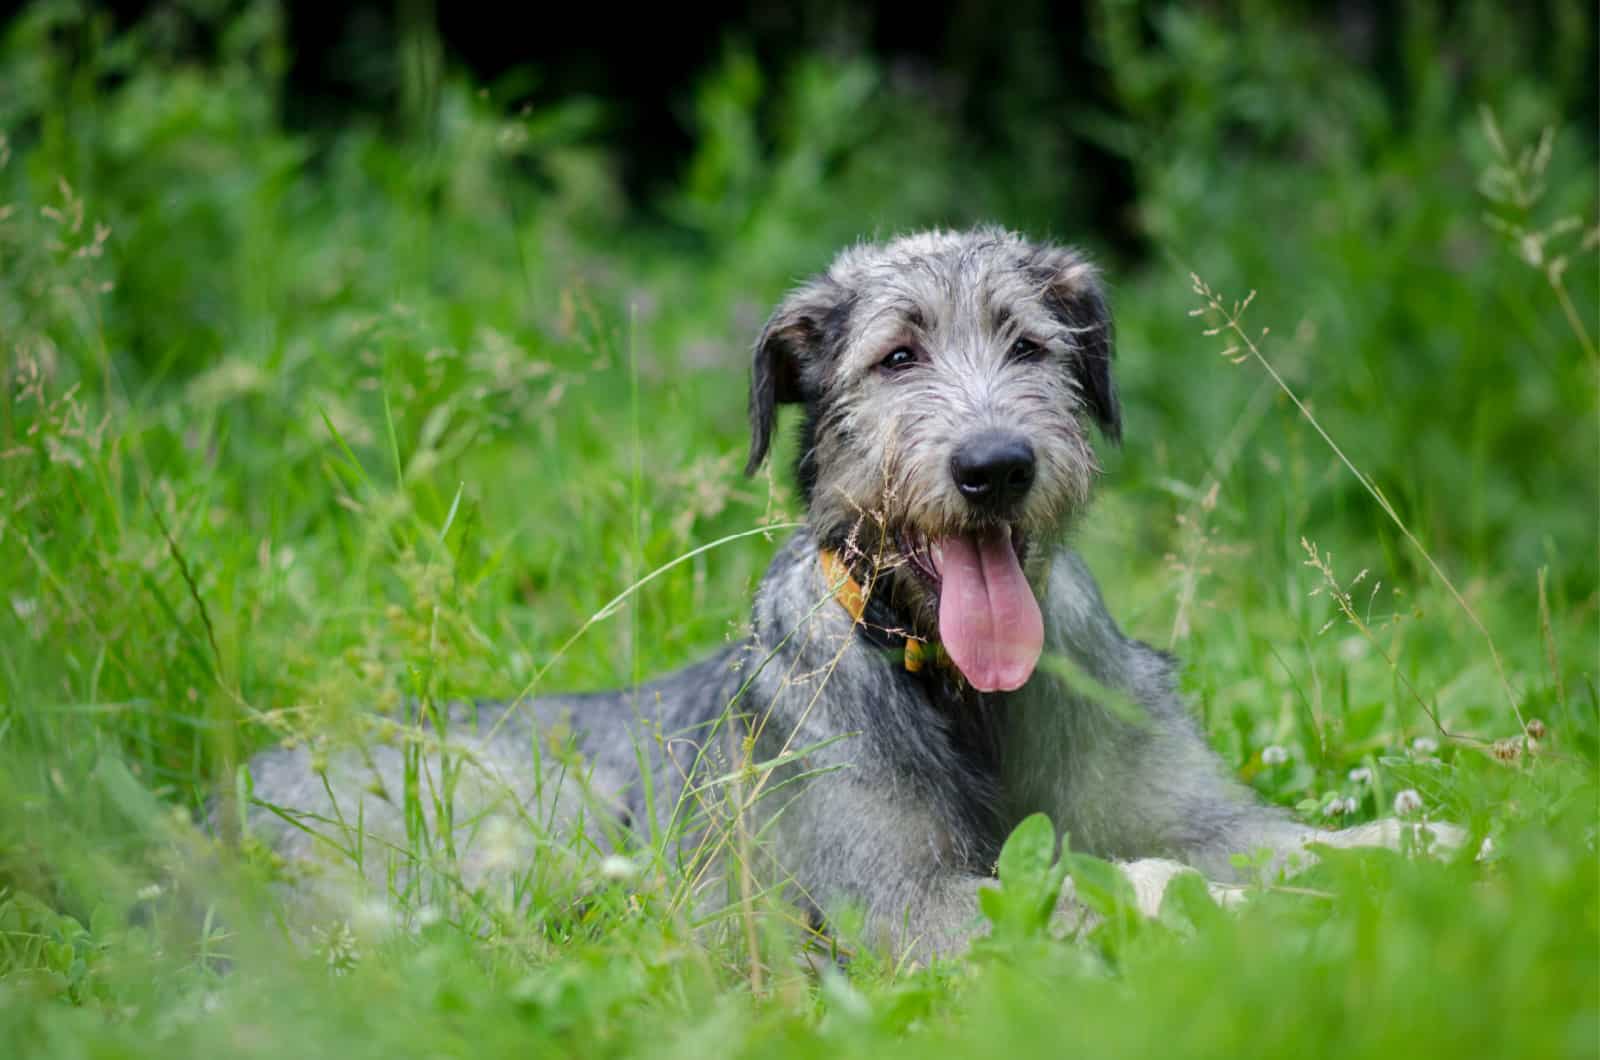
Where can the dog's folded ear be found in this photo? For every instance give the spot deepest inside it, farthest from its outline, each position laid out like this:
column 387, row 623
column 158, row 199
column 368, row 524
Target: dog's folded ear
column 1075, row 295
column 789, row 348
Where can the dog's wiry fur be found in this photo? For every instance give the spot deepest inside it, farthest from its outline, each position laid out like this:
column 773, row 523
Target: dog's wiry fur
column 909, row 782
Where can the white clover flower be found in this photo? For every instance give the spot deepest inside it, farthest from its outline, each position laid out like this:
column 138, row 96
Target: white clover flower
column 1424, row 745
column 1361, row 775
column 375, row 916
column 1274, row 755
column 499, row 844
column 1352, row 649
column 1335, row 808
column 617, row 867
column 338, row 946
column 1351, row 804
column 1407, row 802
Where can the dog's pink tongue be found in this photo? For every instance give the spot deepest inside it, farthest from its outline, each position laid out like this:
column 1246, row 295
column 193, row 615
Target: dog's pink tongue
column 988, row 618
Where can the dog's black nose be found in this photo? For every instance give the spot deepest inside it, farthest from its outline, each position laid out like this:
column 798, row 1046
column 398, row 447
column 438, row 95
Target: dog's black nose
column 993, row 469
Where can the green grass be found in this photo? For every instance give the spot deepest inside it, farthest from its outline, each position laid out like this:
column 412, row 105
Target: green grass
column 317, row 424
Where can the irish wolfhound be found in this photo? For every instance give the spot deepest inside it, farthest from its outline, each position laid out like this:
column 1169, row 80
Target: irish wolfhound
column 887, row 720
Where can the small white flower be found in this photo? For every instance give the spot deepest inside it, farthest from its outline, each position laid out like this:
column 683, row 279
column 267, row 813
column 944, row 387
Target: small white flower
column 338, row 946
column 1335, row 808
column 1486, row 849
column 617, row 867
column 1361, row 775
column 1274, row 755
column 149, row 892
column 375, row 916
column 844, row 997
column 1425, row 745
column 499, row 844
column 1407, row 802
column 1352, row 649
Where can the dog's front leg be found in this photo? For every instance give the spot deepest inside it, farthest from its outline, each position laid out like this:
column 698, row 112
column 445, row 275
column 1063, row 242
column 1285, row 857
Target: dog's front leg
column 877, row 850
column 938, row 912
column 874, row 849
column 1389, row 832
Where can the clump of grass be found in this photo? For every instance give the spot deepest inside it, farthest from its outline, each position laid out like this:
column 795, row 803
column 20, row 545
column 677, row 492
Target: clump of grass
column 1243, row 346
column 1514, row 182
column 1344, row 599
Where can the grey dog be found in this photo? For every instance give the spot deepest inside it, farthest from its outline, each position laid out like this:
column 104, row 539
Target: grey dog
column 886, row 721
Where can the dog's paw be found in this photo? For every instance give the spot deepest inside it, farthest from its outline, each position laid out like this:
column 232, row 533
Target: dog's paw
column 1150, row 878
column 1433, row 836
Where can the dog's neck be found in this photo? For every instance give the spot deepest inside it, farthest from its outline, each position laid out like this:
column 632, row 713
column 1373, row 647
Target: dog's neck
column 875, row 617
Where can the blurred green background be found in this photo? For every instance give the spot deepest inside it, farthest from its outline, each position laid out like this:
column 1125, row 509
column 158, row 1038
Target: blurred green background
column 362, row 353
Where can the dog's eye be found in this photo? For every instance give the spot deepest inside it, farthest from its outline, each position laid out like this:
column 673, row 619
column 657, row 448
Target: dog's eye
column 900, row 358
column 1026, row 350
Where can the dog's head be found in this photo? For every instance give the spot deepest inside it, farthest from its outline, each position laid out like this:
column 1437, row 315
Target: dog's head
column 949, row 382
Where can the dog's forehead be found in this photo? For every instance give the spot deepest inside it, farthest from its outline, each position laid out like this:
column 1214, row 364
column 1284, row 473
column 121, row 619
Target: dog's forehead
column 932, row 278
column 932, row 259
column 966, row 287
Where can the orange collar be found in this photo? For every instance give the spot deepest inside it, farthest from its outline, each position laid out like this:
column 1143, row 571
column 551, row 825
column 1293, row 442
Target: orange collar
column 853, row 599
